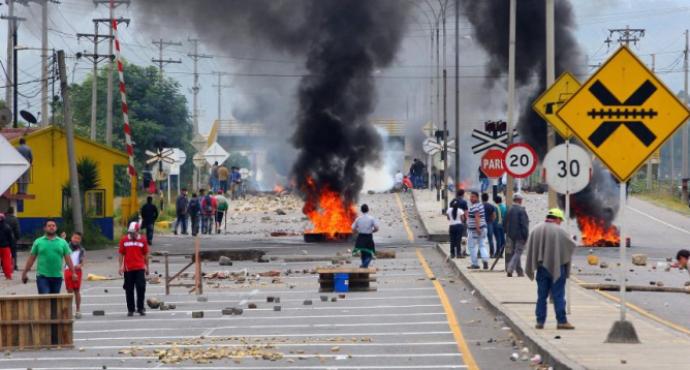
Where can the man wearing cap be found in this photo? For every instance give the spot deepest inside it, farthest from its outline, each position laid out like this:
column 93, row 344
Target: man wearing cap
column 134, row 265
column 516, row 226
column 549, row 253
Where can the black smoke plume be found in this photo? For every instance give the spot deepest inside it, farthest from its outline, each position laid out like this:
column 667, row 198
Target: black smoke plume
column 342, row 44
column 490, row 20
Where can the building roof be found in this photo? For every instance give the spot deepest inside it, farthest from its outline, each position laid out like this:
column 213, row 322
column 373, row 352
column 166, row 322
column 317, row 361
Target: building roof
column 13, row 134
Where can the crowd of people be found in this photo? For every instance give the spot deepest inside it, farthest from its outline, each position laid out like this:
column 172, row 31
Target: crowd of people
column 226, row 180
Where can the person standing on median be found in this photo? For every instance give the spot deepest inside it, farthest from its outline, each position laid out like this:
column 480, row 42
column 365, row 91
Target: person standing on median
column 455, row 228
column 365, row 226
column 476, row 232
column 516, row 225
column 51, row 251
column 134, row 266
column 549, row 254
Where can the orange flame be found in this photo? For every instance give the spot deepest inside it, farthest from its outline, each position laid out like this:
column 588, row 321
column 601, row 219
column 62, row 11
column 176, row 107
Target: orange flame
column 327, row 211
column 596, row 233
column 278, row 189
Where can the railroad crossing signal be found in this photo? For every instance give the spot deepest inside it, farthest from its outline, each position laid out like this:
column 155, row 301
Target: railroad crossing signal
column 623, row 113
column 166, row 155
column 490, row 140
column 555, row 97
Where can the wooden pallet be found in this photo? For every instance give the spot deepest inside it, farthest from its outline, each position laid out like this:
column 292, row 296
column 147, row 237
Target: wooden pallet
column 36, row 322
column 359, row 278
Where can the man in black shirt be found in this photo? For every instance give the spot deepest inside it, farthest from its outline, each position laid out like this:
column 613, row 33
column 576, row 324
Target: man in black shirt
column 149, row 215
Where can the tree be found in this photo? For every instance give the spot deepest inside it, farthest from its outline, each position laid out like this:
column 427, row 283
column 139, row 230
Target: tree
column 157, row 109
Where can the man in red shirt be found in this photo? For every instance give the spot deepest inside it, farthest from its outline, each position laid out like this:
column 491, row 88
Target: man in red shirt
column 134, row 265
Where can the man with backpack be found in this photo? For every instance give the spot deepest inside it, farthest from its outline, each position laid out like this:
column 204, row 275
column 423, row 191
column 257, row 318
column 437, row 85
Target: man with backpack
column 194, row 209
column 208, row 211
column 222, row 202
column 181, row 206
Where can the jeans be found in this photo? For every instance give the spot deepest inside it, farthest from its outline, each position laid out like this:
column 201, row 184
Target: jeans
column 513, row 262
column 48, row 285
column 135, row 280
column 477, row 244
column 455, row 232
column 149, row 233
column 500, row 237
column 6, row 261
column 484, row 185
column 224, row 186
column 181, row 220
column 195, row 223
column 366, row 259
column 490, row 236
column 214, row 183
column 206, row 224
column 546, row 285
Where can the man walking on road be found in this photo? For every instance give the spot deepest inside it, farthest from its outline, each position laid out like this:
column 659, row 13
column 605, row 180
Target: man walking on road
column 490, row 215
column 194, row 211
column 365, row 226
column 516, row 225
column 181, row 205
column 476, row 232
column 7, row 244
column 222, row 203
column 134, row 266
column 51, row 251
column 13, row 223
column 549, row 253
column 149, row 215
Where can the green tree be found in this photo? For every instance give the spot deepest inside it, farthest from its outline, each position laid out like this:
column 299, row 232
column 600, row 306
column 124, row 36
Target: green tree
column 157, row 110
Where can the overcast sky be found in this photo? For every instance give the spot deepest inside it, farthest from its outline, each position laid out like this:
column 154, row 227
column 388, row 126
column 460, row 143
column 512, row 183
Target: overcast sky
column 403, row 88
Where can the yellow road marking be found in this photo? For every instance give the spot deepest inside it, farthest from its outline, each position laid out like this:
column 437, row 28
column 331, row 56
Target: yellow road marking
column 640, row 310
column 450, row 314
column 410, row 235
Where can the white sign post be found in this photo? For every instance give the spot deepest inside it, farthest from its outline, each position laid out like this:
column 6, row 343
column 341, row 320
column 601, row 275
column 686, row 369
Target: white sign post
column 568, row 170
column 215, row 153
column 12, row 165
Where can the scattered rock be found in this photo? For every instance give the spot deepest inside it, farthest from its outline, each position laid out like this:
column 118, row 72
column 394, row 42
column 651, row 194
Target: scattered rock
column 202, row 298
column 172, row 306
column 98, row 313
column 277, row 308
column 232, row 311
column 341, row 296
column 536, row 359
column 163, row 307
column 325, row 298
column 307, row 302
column 639, row 259
column 105, row 290
column 280, row 212
column 270, row 299
column 514, row 356
column 224, row 261
column 197, row 314
column 687, row 283
column 603, row 265
column 251, row 306
column 334, row 299
column 153, row 303
column 276, row 300
column 659, row 283
column 154, row 280
column 592, row 260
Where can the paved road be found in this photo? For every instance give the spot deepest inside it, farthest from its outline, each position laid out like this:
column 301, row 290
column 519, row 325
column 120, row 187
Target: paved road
column 421, row 316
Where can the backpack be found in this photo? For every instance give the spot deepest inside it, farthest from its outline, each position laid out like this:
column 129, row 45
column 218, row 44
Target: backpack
column 207, row 205
column 222, row 204
column 194, row 206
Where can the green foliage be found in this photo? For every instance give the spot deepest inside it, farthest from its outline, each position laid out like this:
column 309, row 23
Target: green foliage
column 157, row 109
column 89, row 178
column 236, row 159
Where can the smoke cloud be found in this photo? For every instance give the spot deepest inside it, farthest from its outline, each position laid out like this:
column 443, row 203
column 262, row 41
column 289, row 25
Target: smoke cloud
column 341, row 42
column 490, row 20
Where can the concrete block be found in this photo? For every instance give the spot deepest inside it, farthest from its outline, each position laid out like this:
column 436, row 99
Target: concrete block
column 98, row 313
column 324, row 298
column 202, row 298
column 224, row 261
column 277, row 308
column 307, row 302
column 251, row 306
column 198, row 314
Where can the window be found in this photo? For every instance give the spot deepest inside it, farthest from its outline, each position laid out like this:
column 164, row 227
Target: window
column 94, row 203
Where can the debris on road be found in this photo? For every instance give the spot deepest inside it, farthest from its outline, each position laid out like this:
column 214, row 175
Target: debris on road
column 224, row 261
column 177, row 355
column 98, row 313
column 153, row 303
column 197, row 314
column 639, row 259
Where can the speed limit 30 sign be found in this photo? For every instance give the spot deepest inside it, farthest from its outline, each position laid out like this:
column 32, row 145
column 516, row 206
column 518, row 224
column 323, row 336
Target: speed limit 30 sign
column 520, row 160
column 567, row 168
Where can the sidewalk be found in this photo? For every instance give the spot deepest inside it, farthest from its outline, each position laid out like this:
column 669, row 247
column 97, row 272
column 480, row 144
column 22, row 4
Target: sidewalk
column 435, row 224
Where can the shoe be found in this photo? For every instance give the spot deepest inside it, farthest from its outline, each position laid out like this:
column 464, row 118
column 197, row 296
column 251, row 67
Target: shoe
column 510, row 274
column 130, row 314
column 486, row 265
column 77, row 315
column 175, row 232
column 565, row 326
column 539, row 326
column 521, row 274
column 473, row 267
column 142, row 313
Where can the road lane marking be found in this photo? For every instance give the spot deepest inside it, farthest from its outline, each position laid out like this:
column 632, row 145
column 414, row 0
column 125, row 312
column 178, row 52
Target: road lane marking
column 287, row 326
column 248, row 318
column 225, row 294
column 410, row 235
column 450, row 314
column 659, row 221
column 225, row 367
column 181, row 337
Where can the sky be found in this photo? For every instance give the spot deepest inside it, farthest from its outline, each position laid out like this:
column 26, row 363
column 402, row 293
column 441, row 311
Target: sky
column 259, row 78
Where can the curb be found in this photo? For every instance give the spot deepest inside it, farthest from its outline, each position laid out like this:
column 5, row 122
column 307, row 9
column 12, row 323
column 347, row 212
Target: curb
column 549, row 353
column 441, row 238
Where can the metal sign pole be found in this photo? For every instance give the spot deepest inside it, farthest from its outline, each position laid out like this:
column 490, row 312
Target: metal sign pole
column 622, row 247
column 567, row 217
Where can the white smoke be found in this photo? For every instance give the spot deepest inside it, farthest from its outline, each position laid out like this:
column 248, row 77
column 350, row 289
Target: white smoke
column 381, row 178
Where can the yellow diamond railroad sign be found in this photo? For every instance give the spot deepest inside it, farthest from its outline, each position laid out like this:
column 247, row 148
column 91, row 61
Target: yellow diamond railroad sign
column 623, row 113
column 555, row 97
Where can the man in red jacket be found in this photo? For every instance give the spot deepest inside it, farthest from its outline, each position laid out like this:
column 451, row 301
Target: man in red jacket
column 134, row 265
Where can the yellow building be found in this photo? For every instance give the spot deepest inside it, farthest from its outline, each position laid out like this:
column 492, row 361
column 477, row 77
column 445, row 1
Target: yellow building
column 49, row 173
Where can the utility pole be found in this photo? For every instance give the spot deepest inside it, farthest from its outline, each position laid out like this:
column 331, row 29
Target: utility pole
column 112, row 4
column 220, row 87
column 15, row 68
column 160, row 61
column 550, row 78
column 684, row 160
column 511, row 89
column 95, row 58
column 195, row 89
column 71, row 156
column 649, row 161
column 625, row 35
column 457, row 95
column 11, row 29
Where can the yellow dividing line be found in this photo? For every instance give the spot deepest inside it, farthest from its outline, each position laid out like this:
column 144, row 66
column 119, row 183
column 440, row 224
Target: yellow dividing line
column 640, row 310
column 450, row 314
column 410, row 235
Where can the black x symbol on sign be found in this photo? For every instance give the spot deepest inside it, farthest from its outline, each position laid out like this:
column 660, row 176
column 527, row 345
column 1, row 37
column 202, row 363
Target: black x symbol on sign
column 619, row 116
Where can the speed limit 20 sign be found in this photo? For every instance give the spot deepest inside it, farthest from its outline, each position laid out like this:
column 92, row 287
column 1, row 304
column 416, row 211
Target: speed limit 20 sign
column 567, row 168
column 520, row 160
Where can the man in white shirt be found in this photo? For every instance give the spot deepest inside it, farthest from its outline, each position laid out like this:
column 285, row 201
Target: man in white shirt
column 365, row 226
